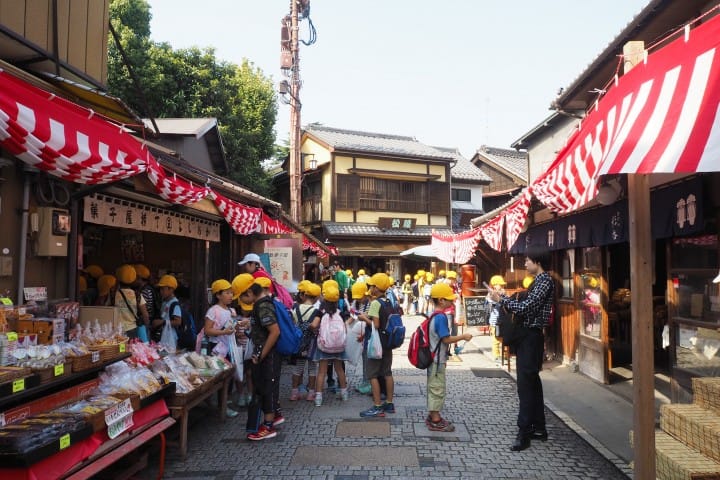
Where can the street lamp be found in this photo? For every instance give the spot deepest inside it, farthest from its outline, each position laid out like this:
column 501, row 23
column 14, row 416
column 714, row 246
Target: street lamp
column 312, row 162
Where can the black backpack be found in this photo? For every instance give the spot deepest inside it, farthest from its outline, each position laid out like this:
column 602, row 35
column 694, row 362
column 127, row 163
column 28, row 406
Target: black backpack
column 187, row 333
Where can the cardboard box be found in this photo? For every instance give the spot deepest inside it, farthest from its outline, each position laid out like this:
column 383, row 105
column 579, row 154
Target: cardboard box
column 25, row 326
column 104, row 315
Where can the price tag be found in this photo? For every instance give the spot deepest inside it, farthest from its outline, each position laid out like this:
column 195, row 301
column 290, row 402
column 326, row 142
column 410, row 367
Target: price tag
column 12, row 337
column 95, row 356
column 122, row 348
column 18, row 385
column 5, row 301
column 115, row 429
column 64, row 441
column 59, row 369
column 116, row 412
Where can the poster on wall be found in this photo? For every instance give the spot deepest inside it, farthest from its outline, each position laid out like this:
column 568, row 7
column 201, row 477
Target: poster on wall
column 285, row 259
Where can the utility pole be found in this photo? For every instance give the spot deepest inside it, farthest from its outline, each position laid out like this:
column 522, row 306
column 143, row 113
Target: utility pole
column 295, row 169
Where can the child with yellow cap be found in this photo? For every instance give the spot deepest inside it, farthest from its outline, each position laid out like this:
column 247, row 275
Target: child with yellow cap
column 132, row 306
column 304, row 314
column 497, row 282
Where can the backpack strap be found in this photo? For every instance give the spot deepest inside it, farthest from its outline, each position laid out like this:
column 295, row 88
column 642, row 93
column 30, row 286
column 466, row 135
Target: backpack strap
column 138, row 320
column 171, row 307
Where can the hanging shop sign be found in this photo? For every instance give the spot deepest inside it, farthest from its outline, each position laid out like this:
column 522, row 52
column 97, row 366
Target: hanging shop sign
column 116, row 212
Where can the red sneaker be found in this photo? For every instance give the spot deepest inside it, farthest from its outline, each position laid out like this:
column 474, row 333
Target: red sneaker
column 263, row 433
column 279, row 420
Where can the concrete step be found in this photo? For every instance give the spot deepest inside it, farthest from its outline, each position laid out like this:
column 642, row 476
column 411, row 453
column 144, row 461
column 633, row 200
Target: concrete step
column 693, row 425
column 675, row 460
column 706, row 393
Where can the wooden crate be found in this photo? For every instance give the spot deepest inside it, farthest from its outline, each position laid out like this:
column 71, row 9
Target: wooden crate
column 676, row 461
column 694, row 426
column 706, row 393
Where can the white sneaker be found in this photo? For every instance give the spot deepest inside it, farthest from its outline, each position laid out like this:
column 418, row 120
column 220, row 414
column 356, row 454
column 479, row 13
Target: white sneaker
column 344, row 394
column 318, row 399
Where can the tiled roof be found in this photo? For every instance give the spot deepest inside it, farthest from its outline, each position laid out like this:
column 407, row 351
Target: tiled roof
column 371, row 230
column 513, row 161
column 464, row 169
column 377, row 143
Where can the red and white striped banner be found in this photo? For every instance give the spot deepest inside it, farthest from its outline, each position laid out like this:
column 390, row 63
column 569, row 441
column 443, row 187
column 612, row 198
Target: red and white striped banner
column 663, row 116
column 458, row 248
column 516, row 216
column 272, row 226
column 243, row 219
column 492, row 232
column 64, row 139
column 174, row 189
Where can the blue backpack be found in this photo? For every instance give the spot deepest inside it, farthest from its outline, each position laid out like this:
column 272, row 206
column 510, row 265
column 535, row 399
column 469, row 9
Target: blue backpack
column 392, row 330
column 290, row 334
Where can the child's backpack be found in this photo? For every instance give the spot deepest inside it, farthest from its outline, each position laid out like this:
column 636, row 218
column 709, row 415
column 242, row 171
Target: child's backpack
column 392, row 330
column 304, row 321
column 419, row 352
column 282, row 294
column 290, row 334
column 186, row 332
column 332, row 333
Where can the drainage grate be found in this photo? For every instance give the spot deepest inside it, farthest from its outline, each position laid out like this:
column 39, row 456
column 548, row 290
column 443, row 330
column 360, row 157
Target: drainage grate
column 490, row 373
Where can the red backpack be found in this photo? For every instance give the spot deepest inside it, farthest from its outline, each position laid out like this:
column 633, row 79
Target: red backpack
column 419, row 352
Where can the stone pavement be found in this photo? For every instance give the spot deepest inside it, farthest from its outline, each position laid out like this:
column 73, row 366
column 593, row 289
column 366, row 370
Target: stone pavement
column 333, row 442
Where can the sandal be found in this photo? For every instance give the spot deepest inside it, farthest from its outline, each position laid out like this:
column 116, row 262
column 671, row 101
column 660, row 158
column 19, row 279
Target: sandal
column 441, row 425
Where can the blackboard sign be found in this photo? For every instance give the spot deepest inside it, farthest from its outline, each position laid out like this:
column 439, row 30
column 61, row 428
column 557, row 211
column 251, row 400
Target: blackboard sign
column 476, row 311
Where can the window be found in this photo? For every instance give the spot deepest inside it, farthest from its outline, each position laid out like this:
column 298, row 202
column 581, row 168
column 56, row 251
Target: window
column 460, row 195
column 392, row 195
column 590, row 291
column 567, row 275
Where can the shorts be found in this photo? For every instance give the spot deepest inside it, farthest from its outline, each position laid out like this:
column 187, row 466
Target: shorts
column 380, row 367
column 436, row 387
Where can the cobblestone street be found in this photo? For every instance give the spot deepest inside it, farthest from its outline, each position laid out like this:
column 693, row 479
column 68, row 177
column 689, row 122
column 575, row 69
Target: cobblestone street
column 333, row 442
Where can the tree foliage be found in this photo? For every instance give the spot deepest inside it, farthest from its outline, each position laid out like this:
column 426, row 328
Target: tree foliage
column 192, row 82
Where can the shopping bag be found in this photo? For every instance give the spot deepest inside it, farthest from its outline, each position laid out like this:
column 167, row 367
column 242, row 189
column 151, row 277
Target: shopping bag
column 236, row 357
column 353, row 348
column 168, row 339
column 249, row 347
column 374, row 349
column 142, row 334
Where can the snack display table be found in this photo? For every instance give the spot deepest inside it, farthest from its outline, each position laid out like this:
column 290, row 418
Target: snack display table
column 89, row 456
column 181, row 404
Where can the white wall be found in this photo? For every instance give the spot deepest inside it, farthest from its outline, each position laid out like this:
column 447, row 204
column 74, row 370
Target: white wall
column 544, row 150
column 475, row 197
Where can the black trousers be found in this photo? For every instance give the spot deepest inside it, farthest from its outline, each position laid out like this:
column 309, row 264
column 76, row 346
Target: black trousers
column 266, row 381
column 530, row 393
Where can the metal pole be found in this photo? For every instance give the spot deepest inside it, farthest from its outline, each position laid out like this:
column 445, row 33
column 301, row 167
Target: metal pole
column 295, row 167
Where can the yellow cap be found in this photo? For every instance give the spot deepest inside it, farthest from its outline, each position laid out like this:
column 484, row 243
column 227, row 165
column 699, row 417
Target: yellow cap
column 496, row 280
column 421, row 273
column 142, row 271
column 441, row 273
column 380, row 281
column 330, row 282
column 95, row 271
column 361, row 271
column 416, row 277
column 264, row 282
column 348, row 272
column 241, row 283
column 331, row 293
column 167, row 281
column 429, row 277
column 105, row 283
column 82, row 285
column 312, row 290
column 126, row 274
column 407, row 277
column 302, row 285
column 442, row 290
column 451, row 274
column 359, row 290
column 220, row 285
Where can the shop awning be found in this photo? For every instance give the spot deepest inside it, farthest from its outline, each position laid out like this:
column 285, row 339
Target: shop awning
column 458, row 248
column 661, row 117
column 78, row 145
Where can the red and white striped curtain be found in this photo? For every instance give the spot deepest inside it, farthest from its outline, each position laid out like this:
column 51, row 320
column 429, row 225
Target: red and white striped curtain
column 516, row 217
column 458, row 248
column 492, row 232
column 63, row 139
column 663, row 116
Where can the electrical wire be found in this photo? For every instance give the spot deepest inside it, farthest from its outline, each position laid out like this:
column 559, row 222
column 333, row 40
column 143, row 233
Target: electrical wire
column 313, row 32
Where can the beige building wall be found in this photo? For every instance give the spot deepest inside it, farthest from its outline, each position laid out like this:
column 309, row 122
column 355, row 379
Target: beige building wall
column 82, row 31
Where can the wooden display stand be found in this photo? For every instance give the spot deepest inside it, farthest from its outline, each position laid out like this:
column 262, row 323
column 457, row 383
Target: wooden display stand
column 181, row 404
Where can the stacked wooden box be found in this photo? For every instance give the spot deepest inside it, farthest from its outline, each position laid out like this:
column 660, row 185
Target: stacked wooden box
column 688, row 447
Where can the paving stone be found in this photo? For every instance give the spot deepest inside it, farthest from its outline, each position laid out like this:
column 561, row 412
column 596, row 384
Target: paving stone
column 407, row 390
column 459, row 435
column 341, row 456
column 362, row 429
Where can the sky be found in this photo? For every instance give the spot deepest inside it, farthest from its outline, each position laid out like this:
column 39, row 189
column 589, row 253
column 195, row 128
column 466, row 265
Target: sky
column 457, row 73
